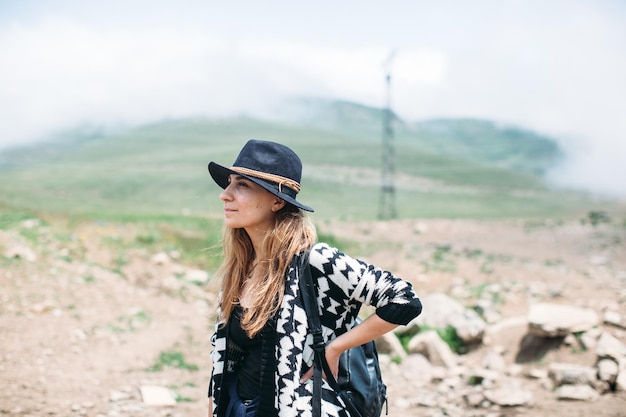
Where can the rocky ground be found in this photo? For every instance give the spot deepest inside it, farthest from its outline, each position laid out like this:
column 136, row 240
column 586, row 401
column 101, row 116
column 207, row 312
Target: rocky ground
column 92, row 324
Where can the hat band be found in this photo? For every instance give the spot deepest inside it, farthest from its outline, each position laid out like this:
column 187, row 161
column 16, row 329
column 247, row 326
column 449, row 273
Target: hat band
column 294, row 185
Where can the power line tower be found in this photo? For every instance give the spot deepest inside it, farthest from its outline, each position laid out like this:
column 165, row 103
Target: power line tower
column 387, row 208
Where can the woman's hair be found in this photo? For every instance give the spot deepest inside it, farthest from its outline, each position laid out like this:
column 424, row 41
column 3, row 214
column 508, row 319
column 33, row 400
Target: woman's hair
column 292, row 232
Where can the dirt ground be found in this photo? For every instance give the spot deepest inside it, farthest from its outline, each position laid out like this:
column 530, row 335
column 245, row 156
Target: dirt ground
column 84, row 326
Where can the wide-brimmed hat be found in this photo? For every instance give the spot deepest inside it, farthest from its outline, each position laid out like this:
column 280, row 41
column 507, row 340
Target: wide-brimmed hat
column 271, row 165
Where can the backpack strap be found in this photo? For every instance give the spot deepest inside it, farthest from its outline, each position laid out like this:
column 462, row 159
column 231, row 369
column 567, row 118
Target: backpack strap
column 307, row 288
column 305, row 283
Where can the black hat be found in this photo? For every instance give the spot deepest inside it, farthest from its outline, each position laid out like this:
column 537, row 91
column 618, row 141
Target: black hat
column 271, row 165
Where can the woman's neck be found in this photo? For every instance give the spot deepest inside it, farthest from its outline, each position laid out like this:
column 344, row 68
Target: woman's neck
column 257, row 237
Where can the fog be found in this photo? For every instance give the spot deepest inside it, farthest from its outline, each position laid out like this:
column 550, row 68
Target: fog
column 555, row 68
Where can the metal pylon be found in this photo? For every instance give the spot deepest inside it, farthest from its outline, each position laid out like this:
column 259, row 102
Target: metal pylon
column 387, row 209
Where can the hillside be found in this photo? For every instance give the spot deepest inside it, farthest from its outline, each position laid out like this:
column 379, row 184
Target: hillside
column 480, row 141
column 94, row 313
column 444, row 168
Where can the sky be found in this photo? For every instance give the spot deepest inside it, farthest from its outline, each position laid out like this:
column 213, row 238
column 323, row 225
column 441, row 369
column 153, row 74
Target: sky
column 554, row 66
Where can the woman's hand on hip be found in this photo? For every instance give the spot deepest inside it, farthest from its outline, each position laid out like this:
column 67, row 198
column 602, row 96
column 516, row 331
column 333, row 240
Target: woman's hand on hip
column 332, row 357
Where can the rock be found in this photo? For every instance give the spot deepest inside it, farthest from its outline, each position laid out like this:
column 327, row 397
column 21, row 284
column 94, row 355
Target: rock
column 42, row 307
column 484, row 377
column 444, row 311
column 565, row 373
column 579, row 392
column 510, row 395
column 425, row 400
column 420, row 228
column 20, row 252
column 494, row 360
column 474, row 399
column 436, row 350
column 30, row 223
column 389, row 343
column 589, row 340
column 116, row 396
column 197, row 276
column 608, row 369
column 153, row 395
column 556, row 320
column 598, row 260
column 620, row 381
column 171, row 283
column 570, row 340
column 535, row 373
column 614, row 319
column 160, row 258
column 402, row 403
column 515, row 369
column 417, row 369
column 487, row 309
column 611, row 347
column 505, row 329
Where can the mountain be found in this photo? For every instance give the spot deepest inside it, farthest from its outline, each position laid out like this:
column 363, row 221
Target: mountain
column 443, row 168
column 481, row 141
column 491, row 143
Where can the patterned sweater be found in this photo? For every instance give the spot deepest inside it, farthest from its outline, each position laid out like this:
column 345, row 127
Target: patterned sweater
column 343, row 285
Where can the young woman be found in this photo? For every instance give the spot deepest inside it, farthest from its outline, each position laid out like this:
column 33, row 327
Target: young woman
column 262, row 358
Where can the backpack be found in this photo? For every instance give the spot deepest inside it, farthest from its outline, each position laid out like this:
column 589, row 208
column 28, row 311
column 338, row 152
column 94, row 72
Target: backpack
column 359, row 383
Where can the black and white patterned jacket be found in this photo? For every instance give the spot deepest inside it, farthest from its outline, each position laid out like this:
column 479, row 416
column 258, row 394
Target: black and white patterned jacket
column 343, row 285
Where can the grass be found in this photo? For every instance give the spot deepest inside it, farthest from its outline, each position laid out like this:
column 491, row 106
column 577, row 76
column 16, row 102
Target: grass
column 447, row 334
column 130, row 322
column 158, row 173
column 174, row 359
column 440, row 260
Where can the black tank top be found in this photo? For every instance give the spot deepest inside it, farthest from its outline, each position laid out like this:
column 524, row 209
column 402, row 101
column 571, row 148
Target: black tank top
column 249, row 376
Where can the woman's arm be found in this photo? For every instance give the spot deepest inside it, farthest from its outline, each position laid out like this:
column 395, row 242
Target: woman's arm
column 371, row 328
column 210, row 407
column 347, row 280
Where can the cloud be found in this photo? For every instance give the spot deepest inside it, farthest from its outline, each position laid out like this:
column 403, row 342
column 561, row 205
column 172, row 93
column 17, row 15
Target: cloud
column 59, row 73
column 556, row 68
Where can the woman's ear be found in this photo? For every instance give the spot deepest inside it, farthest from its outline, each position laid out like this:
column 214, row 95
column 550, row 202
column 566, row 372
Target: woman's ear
column 279, row 203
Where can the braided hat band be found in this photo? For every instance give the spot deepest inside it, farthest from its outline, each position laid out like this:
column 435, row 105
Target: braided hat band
column 294, row 185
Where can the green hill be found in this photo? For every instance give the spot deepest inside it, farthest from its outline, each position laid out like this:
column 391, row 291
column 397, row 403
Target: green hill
column 481, row 141
column 444, row 168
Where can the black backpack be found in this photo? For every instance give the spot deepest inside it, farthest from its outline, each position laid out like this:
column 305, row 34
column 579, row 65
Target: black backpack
column 359, row 382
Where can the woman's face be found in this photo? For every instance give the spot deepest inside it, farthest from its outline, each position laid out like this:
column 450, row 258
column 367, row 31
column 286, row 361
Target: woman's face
column 248, row 206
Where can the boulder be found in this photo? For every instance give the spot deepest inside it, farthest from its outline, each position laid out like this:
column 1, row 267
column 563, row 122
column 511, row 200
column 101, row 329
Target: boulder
column 608, row 369
column 578, row 392
column 510, row 395
column 611, row 347
column 153, row 395
column 620, row 381
column 416, row 369
column 572, row 374
column 436, row 350
column 444, row 311
column 557, row 320
column 614, row 318
column 390, row 344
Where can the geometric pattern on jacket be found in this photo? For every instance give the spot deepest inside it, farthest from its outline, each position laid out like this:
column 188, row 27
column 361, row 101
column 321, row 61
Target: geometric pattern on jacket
column 343, row 284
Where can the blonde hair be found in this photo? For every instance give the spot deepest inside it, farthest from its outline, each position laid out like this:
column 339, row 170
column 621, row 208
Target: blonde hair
column 292, row 232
